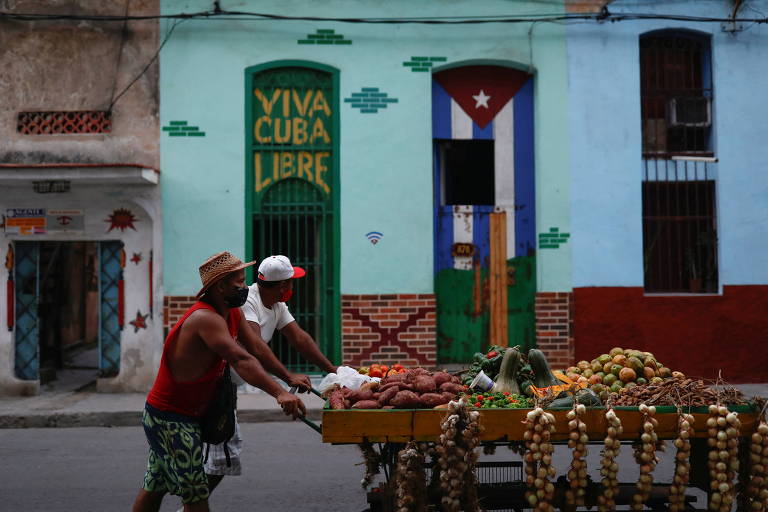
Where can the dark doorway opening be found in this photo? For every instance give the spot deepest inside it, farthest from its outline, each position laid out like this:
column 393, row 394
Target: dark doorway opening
column 68, row 312
column 468, row 172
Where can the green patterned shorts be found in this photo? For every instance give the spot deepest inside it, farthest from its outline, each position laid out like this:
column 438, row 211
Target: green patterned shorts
column 175, row 455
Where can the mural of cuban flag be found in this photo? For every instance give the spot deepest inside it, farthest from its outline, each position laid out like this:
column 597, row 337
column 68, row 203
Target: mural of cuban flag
column 490, row 103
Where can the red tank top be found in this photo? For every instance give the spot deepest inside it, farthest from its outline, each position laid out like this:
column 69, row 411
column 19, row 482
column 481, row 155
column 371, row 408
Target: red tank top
column 189, row 398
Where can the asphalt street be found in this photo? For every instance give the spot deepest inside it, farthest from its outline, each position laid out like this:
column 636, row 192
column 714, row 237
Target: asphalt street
column 286, row 468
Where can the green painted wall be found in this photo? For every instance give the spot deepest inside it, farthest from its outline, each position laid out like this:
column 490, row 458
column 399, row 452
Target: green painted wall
column 385, row 157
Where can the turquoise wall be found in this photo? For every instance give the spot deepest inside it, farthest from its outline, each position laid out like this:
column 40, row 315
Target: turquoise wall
column 605, row 133
column 385, row 158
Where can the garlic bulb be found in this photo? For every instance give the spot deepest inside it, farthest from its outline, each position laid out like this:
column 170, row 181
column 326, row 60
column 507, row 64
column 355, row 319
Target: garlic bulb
column 682, row 463
column 645, row 455
column 609, row 467
column 538, row 459
column 457, row 456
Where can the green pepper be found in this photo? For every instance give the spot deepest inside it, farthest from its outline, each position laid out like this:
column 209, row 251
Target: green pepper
column 478, row 357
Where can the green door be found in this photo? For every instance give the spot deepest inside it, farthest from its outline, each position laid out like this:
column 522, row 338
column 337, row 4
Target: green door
column 292, row 194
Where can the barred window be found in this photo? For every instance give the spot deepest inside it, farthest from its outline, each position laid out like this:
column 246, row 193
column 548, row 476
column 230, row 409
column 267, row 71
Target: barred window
column 676, row 94
column 679, row 187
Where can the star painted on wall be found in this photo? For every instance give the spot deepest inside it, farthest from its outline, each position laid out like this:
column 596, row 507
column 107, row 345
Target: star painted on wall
column 136, row 258
column 481, row 99
column 122, row 218
column 140, row 322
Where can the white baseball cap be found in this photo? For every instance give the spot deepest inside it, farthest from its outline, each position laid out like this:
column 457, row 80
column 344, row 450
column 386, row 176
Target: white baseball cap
column 279, row 268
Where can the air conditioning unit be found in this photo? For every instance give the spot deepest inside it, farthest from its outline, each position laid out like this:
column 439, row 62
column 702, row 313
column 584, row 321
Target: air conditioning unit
column 691, row 111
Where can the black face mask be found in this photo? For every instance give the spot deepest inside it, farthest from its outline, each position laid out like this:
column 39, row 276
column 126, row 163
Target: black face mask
column 236, row 298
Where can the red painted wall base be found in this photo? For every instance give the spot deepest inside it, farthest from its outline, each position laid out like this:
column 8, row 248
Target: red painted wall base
column 698, row 335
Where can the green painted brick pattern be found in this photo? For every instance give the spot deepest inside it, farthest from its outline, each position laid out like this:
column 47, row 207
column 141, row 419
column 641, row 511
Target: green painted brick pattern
column 553, row 239
column 182, row 129
column 423, row 64
column 369, row 100
column 324, row 36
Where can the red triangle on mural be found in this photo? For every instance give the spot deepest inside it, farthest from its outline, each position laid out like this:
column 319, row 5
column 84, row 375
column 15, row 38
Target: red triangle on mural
column 481, row 91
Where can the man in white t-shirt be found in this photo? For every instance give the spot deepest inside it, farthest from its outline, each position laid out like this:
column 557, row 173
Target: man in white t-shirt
column 266, row 310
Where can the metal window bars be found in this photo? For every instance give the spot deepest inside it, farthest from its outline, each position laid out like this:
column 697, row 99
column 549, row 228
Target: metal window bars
column 679, row 227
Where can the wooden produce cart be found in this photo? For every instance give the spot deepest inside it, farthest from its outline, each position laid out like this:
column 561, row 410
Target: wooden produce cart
column 392, row 428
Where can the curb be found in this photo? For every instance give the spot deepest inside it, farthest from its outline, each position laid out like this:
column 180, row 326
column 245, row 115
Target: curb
column 127, row 419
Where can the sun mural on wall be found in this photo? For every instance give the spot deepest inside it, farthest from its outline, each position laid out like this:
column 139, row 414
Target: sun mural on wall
column 121, row 218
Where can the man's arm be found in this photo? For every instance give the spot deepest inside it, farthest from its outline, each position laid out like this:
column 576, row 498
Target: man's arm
column 250, row 337
column 214, row 333
column 306, row 346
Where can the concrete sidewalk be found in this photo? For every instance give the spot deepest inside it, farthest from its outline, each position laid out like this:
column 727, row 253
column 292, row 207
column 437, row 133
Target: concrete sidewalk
column 90, row 409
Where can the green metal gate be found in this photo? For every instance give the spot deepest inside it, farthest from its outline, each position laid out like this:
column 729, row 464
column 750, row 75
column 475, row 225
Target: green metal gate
column 292, row 203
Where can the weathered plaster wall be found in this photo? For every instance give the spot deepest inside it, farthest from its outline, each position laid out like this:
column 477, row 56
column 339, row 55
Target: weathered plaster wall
column 139, row 347
column 385, row 158
column 80, row 65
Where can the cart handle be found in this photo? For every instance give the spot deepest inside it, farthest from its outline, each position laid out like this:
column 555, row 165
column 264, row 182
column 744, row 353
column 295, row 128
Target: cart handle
column 314, row 426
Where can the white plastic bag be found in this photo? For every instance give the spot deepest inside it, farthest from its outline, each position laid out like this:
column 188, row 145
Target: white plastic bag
column 346, row 377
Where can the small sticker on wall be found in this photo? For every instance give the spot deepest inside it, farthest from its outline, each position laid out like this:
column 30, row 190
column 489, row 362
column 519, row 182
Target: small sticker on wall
column 121, row 219
column 136, row 258
column 374, row 237
column 140, row 322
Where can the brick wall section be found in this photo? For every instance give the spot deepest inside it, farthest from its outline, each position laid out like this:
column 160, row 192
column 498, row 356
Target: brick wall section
column 397, row 328
column 554, row 328
column 174, row 307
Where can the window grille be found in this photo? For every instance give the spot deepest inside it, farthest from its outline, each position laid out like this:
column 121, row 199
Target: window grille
column 64, row 123
column 679, row 227
column 676, row 94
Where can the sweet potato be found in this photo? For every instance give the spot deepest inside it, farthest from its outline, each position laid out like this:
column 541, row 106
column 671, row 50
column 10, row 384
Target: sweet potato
column 448, row 396
column 396, row 377
column 432, row 399
column 424, row 384
column 441, row 378
column 389, row 385
column 386, row 396
column 366, row 404
column 360, row 394
column 452, row 387
column 372, row 385
column 405, row 400
column 388, row 407
column 336, row 400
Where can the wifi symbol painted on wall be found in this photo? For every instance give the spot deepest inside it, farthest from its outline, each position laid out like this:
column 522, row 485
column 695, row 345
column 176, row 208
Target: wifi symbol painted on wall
column 374, row 237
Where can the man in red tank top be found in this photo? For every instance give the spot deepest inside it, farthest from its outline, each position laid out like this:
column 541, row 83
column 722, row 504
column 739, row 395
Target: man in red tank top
column 194, row 355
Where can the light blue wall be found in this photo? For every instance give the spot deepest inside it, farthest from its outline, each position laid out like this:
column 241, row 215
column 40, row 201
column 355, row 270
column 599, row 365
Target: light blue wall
column 605, row 134
column 385, row 158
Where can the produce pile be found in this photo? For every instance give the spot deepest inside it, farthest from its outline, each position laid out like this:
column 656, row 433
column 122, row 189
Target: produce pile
column 416, row 388
column 381, row 370
column 678, row 391
column 490, row 363
column 618, row 370
column 499, row 400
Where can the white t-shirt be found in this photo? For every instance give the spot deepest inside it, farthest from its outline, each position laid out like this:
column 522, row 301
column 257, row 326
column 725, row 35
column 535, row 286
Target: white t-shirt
column 268, row 319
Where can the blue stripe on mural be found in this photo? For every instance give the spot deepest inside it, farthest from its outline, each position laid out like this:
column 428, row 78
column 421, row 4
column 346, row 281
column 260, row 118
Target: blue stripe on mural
column 441, row 112
column 443, row 222
column 525, row 211
column 481, row 234
column 482, row 133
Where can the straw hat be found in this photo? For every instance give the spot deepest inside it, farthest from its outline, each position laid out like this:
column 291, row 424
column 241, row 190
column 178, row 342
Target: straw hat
column 218, row 266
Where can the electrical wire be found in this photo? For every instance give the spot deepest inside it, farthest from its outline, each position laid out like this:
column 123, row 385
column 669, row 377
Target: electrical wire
column 218, row 13
column 151, row 61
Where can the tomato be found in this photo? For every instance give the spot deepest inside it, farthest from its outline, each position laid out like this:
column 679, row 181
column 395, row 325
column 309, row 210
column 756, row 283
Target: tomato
column 480, row 397
column 478, row 404
column 491, row 354
column 384, row 368
column 489, row 398
column 506, row 393
column 374, row 372
column 398, row 366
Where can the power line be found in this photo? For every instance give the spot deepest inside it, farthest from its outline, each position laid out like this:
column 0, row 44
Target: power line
column 220, row 14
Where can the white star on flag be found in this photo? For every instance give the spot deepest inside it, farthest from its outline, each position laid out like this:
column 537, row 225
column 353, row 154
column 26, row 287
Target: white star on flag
column 481, row 99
